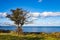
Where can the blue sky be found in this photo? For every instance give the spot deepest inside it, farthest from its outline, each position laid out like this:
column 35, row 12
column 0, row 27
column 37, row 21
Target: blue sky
column 31, row 5
column 48, row 10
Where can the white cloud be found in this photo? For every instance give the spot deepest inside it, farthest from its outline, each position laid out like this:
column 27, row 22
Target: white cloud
column 3, row 14
column 45, row 14
column 7, row 23
column 35, row 14
column 39, row 0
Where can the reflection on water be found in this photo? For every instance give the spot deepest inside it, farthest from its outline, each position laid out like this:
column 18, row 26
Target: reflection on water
column 34, row 29
column 42, row 29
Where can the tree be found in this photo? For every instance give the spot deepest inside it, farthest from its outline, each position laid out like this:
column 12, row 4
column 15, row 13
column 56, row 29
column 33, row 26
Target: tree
column 19, row 17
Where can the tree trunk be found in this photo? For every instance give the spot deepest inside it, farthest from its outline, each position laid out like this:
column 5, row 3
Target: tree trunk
column 19, row 30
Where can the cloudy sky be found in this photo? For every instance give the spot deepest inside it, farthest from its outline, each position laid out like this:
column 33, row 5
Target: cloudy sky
column 44, row 12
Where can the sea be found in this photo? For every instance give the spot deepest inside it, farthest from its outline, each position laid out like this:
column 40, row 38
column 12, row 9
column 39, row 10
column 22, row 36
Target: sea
column 46, row 29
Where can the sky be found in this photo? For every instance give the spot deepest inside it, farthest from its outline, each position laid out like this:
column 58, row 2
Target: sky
column 44, row 12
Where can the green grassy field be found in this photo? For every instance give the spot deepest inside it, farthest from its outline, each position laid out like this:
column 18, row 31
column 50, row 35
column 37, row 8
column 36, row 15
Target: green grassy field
column 9, row 37
column 42, row 36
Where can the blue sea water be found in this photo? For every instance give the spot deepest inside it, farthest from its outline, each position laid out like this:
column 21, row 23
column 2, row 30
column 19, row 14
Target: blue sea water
column 34, row 28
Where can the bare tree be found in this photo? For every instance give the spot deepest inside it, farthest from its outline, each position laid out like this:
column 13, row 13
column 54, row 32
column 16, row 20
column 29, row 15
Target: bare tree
column 19, row 16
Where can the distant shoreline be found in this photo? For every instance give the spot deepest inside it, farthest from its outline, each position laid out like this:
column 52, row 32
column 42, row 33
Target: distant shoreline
column 35, row 26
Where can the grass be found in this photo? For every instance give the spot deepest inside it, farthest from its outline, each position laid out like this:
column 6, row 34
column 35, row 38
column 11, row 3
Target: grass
column 14, row 36
column 9, row 37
